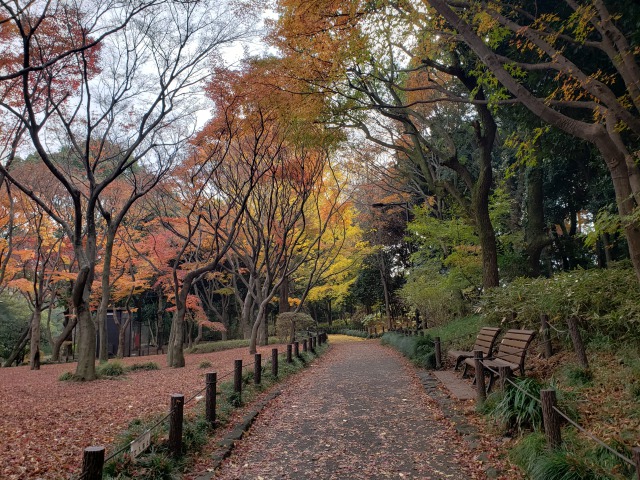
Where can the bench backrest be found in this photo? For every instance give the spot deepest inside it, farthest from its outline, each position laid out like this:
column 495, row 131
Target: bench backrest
column 514, row 345
column 486, row 340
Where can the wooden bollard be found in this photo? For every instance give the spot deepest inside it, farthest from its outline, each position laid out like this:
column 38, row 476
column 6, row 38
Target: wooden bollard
column 257, row 369
column 274, row 362
column 546, row 336
column 237, row 377
column 505, row 375
column 304, row 345
column 175, row 424
column 481, row 394
column 550, row 419
column 92, row 463
column 296, row 349
column 636, row 459
column 289, row 349
column 578, row 344
column 210, row 400
column 438, row 353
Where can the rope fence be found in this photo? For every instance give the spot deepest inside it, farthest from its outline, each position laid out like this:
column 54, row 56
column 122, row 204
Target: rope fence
column 94, row 456
column 551, row 424
column 547, row 400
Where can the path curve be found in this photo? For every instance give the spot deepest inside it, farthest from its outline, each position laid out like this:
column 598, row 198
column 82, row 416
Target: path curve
column 360, row 413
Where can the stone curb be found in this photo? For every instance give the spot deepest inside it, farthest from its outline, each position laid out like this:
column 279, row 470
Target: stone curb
column 228, row 442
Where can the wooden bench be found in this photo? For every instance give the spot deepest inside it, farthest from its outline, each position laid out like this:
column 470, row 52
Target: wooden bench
column 511, row 353
column 485, row 342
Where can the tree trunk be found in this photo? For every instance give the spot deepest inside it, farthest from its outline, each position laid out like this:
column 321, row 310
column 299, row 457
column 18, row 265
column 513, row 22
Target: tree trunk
column 256, row 328
column 385, row 288
column 160, row 322
column 485, row 135
column 606, row 246
column 64, row 336
column 86, row 347
column 175, row 351
column 198, row 338
column 245, row 316
column 22, row 342
column 34, row 352
column 101, row 314
column 625, row 199
column 535, row 238
column 490, row 277
column 47, row 330
column 122, row 337
column 283, row 304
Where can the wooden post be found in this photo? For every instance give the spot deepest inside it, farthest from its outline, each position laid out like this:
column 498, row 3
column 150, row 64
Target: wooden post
column 175, row 424
column 237, row 377
column 636, row 459
column 289, row 349
column 438, row 353
column 296, row 349
column 576, row 339
column 92, row 463
column 550, row 418
column 546, row 336
column 313, row 350
column 274, row 362
column 505, row 374
column 257, row 369
column 210, row 401
column 304, row 345
column 481, row 394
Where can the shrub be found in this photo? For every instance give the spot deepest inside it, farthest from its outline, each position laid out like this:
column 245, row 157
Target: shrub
column 111, row 369
column 204, row 364
column 540, row 463
column 143, row 366
column 578, row 376
column 608, row 301
column 66, row 377
column 419, row 349
column 518, row 408
column 353, row 333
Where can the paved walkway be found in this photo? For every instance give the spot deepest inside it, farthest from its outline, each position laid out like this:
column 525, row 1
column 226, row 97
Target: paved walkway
column 360, row 413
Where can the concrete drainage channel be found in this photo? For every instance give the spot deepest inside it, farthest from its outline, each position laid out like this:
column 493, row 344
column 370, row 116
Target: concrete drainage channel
column 228, row 442
column 468, row 432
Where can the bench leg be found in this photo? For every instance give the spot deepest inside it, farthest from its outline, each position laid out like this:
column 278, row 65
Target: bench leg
column 464, row 371
column 491, row 381
column 458, row 362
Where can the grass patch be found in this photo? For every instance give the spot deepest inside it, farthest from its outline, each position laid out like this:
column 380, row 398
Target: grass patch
column 577, row 376
column 575, row 460
column 143, row 366
column 67, row 377
column 111, row 370
column 210, row 347
column 204, row 364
